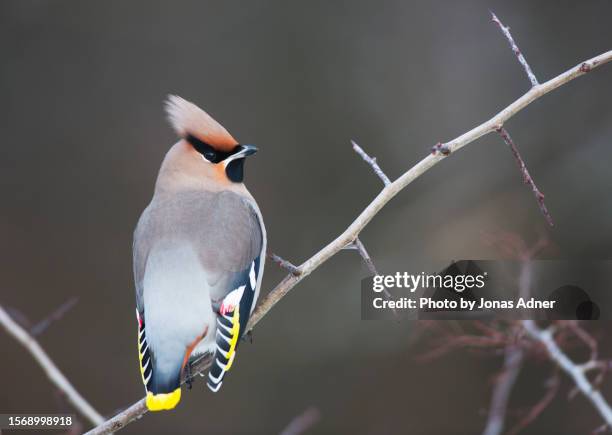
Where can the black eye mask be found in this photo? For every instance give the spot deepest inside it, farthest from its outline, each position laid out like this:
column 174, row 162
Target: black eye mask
column 209, row 153
column 234, row 169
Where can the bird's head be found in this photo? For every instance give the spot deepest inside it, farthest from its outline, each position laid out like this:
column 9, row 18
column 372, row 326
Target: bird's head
column 207, row 147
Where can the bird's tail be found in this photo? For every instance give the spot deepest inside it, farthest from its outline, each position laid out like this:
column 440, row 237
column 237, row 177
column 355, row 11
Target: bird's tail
column 160, row 401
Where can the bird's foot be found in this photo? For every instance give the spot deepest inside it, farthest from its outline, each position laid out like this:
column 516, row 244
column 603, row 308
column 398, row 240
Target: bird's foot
column 188, row 376
column 248, row 336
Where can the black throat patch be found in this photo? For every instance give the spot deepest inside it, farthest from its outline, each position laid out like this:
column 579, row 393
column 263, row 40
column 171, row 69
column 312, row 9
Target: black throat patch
column 235, row 170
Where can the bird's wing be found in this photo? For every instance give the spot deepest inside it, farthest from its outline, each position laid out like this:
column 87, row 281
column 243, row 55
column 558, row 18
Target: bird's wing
column 236, row 293
column 232, row 318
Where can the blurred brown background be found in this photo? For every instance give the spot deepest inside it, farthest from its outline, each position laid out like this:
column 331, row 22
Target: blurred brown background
column 83, row 134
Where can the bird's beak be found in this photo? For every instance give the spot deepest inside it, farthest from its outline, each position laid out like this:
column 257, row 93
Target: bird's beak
column 246, row 150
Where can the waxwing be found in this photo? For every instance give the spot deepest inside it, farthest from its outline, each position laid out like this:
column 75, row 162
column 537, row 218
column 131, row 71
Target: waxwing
column 199, row 252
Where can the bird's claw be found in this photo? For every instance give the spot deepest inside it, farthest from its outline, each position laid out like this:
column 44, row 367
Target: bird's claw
column 248, row 336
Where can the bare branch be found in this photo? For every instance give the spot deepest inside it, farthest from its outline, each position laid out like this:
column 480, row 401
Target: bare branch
column 53, row 373
column 372, row 162
column 527, row 179
column 506, row 31
column 388, row 193
column 287, row 265
column 412, row 174
column 513, row 362
column 303, row 422
column 122, row 419
column 574, row 371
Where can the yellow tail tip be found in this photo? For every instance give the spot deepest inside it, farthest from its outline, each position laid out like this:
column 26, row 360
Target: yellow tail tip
column 161, row 402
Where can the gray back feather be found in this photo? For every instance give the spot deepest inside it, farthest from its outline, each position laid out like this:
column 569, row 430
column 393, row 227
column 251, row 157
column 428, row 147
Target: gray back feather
column 222, row 227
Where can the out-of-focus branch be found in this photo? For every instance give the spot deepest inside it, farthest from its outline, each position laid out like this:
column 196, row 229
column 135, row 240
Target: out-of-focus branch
column 388, row 192
column 56, row 315
column 575, row 371
column 514, row 356
column 302, row 422
column 54, row 374
column 552, row 387
column 513, row 361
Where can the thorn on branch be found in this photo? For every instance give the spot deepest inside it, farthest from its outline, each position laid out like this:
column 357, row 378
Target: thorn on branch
column 441, row 148
column 506, row 31
column 372, row 162
column 526, row 176
column 287, row 265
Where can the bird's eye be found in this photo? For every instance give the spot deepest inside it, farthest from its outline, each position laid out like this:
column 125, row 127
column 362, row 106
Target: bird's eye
column 210, row 156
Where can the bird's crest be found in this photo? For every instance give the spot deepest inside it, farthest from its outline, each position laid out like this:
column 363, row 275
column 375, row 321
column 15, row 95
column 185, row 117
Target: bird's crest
column 188, row 119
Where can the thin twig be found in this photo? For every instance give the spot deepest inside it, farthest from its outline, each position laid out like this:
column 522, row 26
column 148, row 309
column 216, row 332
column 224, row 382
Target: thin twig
column 527, row 179
column 56, row 315
column 388, row 193
column 287, row 265
column 358, row 245
column 372, row 162
column 53, row 373
column 365, row 256
column 506, row 31
column 574, row 371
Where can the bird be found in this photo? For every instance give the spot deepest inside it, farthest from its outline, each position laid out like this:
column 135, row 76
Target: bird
column 198, row 256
